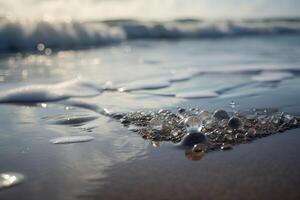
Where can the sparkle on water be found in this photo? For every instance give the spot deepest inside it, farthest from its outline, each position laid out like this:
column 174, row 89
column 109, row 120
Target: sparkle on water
column 71, row 139
column 10, row 179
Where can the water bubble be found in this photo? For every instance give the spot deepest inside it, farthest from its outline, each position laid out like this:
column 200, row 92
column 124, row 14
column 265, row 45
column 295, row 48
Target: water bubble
column 48, row 51
column 262, row 119
column 193, row 122
column 10, row 179
column 235, row 123
column 287, row 118
column 204, row 115
column 210, row 124
column 275, row 120
column 220, row 131
column 156, row 124
column 175, row 133
column 40, row 47
column 160, row 125
column 192, row 138
column 220, row 114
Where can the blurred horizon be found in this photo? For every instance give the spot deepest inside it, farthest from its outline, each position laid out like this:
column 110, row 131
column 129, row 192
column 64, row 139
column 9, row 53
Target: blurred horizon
column 147, row 10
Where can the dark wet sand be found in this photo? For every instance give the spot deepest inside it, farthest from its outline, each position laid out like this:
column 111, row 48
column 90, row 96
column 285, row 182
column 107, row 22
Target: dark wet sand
column 265, row 169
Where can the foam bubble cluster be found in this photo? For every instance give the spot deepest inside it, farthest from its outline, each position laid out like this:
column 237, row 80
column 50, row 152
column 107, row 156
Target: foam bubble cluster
column 199, row 129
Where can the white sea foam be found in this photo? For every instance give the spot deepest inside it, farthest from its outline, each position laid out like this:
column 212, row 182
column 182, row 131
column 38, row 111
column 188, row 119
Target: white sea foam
column 183, row 75
column 144, row 84
column 272, row 76
column 72, row 139
column 47, row 93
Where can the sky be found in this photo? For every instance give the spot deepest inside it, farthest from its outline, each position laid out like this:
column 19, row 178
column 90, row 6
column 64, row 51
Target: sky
column 147, row 9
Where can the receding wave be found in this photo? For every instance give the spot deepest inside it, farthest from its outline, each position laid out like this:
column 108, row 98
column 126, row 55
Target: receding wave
column 21, row 36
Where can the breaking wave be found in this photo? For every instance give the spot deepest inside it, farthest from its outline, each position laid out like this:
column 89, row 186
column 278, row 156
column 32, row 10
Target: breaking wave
column 22, row 36
column 25, row 36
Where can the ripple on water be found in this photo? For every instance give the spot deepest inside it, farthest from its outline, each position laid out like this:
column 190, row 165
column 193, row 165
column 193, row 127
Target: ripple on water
column 146, row 84
column 270, row 76
column 197, row 94
column 51, row 92
column 10, row 179
column 72, row 139
column 74, row 120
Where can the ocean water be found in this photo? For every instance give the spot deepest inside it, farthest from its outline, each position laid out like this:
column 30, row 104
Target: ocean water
column 60, row 81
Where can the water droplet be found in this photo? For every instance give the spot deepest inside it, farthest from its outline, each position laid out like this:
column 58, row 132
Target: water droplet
column 159, row 124
column 235, row 123
column 220, row 114
column 10, row 179
column 40, row 47
column 204, row 115
column 175, row 133
column 193, row 122
column 287, row 118
column 275, row 120
column 48, row 51
column 156, row 124
column 192, row 138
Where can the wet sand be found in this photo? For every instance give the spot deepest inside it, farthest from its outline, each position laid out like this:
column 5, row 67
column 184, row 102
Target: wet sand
column 265, row 169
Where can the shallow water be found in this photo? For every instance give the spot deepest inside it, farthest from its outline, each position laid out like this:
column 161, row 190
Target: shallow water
column 255, row 72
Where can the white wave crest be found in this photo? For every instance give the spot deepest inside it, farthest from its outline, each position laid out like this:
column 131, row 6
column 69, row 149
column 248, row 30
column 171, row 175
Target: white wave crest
column 201, row 29
column 20, row 36
column 24, row 36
